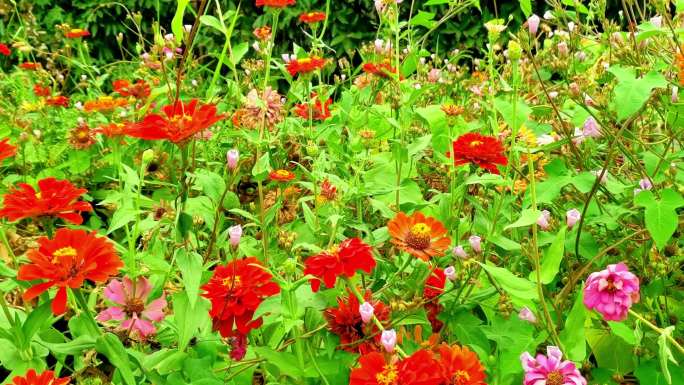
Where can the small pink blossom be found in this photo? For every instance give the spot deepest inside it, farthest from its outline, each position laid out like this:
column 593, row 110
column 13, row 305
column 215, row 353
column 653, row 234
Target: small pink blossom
column 572, row 216
column 459, row 252
column 644, row 184
column 550, row 369
column 133, row 308
column 533, row 24
column 235, row 234
column 232, row 158
column 366, row 311
column 388, row 339
column 526, row 314
column 612, row 292
column 543, row 220
column 450, row 273
column 590, row 128
column 475, row 243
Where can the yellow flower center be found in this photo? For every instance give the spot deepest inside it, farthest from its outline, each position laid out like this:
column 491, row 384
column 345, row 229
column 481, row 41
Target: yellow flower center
column 475, row 143
column 419, row 236
column 231, row 282
column 555, row 378
column 283, row 173
column 460, row 377
column 76, row 30
column 388, row 376
column 63, row 252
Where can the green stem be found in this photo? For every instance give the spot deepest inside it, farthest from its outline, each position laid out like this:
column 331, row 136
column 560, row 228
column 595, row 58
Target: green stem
column 658, row 330
column 92, row 324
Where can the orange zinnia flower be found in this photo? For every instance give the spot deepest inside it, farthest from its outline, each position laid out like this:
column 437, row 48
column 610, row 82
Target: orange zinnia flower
column 281, row 175
column 263, row 33
column 104, row 104
column 58, row 198
column 30, row 65
column 420, row 236
column 39, row 90
column 306, row 65
column 461, row 366
column 82, row 136
column 112, row 130
column 420, row 368
column 382, row 70
column 6, row 149
column 57, row 101
column 67, row 260
column 318, row 111
column 274, row 3
column 76, row 33
column 312, row 17
column 139, row 90
column 45, row 378
column 180, row 122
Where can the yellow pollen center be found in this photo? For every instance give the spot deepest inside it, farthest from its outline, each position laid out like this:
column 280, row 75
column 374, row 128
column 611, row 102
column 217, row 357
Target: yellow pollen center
column 460, row 377
column 283, row 173
column 419, row 236
column 231, row 281
column 63, row 252
column 420, row 229
column 475, row 143
column 77, row 30
column 388, row 376
column 555, row 378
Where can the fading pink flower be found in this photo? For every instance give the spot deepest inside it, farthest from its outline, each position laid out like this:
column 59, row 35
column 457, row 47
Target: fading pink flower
column 238, row 346
column 475, row 243
column 526, row 314
column 590, row 128
column 550, row 369
column 366, row 311
column 572, row 216
column 450, row 273
column 533, row 24
column 388, row 339
column 544, row 220
column 136, row 314
column 460, row 252
column 612, row 291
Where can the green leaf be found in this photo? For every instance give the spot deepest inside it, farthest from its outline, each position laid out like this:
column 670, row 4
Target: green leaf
column 631, row 92
column 177, row 21
column 190, row 265
column 526, row 7
column 189, row 318
column 660, row 215
column 112, row 348
column 35, row 321
column 184, row 224
column 527, row 217
column 424, row 19
column 73, row 347
column 552, row 258
column 238, row 53
column 286, row 362
column 515, row 286
column 623, row 331
column 516, row 116
column 665, row 354
column 213, row 22
column 610, row 351
column 262, row 167
column 573, row 335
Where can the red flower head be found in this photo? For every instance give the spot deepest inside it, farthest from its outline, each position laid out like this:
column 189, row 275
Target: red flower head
column 39, row 90
column 420, row 368
column 306, row 65
column 328, row 190
column 6, row 149
column 45, row 378
column 421, row 236
column 180, row 122
column 274, row 3
column 319, row 111
column 30, row 65
column 112, row 130
column 57, row 101
column 58, row 198
column 67, row 260
column 345, row 321
column 76, row 33
column 139, row 90
column 235, row 291
column 351, row 255
column 484, row 151
column 434, row 286
column 461, row 366
column 82, row 136
column 312, row 17
column 382, row 70
column 281, row 175
column 4, row 50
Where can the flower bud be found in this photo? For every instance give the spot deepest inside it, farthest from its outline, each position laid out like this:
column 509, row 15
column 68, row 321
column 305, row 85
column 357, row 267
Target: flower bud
column 389, row 340
column 533, row 24
column 235, row 233
column 366, row 311
column 232, row 157
column 460, row 252
column 543, row 220
column 450, row 273
column 526, row 314
column 147, row 156
column 572, row 216
column 475, row 243
column 514, row 50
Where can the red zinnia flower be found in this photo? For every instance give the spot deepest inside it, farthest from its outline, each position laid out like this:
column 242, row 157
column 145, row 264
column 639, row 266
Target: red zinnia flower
column 139, row 90
column 345, row 321
column 39, row 90
column 57, row 101
column 57, row 198
column 319, row 111
column 4, row 50
column 328, row 190
column 421, row 236
column 30, row 65
column 434, row 286
column 274, row 3
column 180, row 122
column 383, row 69
column 281, row 175
column 461, row 366
column 312, row 17
column 484, row 151
column 6, row 149
column 67, row 260
column 351, row 255
column 104, row 104
column 235, row 291
column 420, row 368
column 306, row 65
column 76, row 33
column 45, row 378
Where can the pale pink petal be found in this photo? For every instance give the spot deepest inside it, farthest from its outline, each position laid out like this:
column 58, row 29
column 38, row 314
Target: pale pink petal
column 115, row 292
column 113, row 313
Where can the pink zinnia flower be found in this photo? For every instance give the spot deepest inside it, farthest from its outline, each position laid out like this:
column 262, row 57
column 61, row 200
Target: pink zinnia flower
column 612, row 292
column 134, row 310
column 550, row 369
